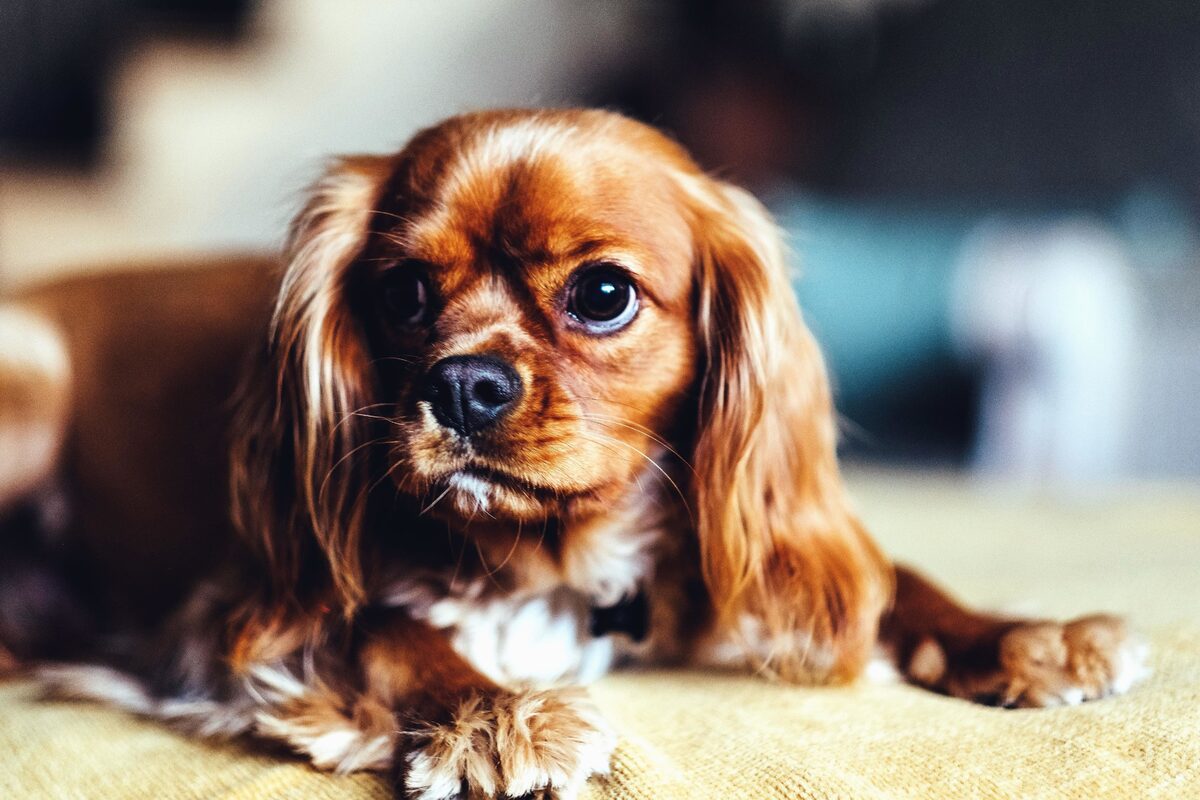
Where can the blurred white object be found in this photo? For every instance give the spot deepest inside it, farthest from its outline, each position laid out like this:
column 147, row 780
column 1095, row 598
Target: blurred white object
column 1050, row 313
column 1165, row 423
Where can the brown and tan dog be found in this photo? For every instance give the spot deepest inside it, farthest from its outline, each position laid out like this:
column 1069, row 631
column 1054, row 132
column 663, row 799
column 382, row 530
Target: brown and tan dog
column 527, row 399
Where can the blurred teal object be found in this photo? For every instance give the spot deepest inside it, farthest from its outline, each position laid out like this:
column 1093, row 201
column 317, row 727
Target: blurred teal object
column 874, row 282
column 1158, row 227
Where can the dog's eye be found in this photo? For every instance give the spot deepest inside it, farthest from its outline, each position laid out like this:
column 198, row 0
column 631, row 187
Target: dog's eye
column 603, row 298
column 405, row 296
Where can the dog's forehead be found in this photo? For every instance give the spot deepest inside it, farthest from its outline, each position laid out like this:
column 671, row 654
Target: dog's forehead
column 536, row 193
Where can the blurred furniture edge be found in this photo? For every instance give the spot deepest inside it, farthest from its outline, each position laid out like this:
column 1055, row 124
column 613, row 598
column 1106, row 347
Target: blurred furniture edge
column 697, row 736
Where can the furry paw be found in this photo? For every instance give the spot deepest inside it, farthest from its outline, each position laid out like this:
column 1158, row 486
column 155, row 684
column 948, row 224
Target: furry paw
column 1034, row 664
column 538, row 744
column 1051, row 664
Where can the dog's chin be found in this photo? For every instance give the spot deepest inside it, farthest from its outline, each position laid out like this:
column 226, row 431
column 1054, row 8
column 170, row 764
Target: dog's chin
column 474, row 492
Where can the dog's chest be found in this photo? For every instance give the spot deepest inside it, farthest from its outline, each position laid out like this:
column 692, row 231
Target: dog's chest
column 570, row 628
column 541, row 639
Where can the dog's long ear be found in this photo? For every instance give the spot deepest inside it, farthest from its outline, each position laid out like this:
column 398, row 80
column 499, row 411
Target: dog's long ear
column 298, row 483
column 791, row 572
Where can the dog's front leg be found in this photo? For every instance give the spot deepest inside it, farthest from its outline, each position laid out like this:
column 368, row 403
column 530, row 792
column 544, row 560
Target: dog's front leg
column 939, row 644
column 462, row 735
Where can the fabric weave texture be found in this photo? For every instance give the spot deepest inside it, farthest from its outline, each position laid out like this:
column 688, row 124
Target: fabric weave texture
column 702, row 736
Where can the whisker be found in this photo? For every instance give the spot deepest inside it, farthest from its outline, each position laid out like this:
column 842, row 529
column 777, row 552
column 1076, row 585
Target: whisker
column 410, row 360
column 461, row 553
column 393, row 215
column 375, row 417
column 429, row 507
column 612, row 400
column 483, row 560
column 342, row 460
column 628, row 423
column 511, row 551
column 357, row 413
column 653, row 463
column 400, row 485
column 400, row 241
column 624, row 423
column 637, row 426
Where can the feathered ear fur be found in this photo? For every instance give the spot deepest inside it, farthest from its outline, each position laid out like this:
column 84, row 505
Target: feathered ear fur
column 791, row 572
column 298, row 483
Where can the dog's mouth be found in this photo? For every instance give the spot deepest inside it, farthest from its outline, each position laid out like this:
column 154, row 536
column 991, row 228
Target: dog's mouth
column 478, row 489
column 504, row 480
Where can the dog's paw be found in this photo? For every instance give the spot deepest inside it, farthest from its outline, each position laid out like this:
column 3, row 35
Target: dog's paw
column 1052, row 664
column 1034, row 664
column 537, row 744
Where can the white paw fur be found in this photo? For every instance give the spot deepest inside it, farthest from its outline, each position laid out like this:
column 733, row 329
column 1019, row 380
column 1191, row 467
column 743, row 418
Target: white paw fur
column 510, row 744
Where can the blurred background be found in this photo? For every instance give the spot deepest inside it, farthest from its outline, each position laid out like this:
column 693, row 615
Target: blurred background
column 993, row 203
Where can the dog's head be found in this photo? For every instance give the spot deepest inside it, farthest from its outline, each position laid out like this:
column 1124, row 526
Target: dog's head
column 527, row 291
column 523, row 314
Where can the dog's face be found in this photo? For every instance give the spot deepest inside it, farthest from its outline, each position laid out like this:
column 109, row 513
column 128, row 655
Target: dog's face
column 516, row 318
column 529, row 292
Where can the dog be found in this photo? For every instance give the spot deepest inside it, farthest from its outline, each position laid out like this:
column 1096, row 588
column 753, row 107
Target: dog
column 529, row 399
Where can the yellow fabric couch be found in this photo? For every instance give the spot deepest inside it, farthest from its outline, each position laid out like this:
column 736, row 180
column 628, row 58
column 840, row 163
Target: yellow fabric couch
column 700, row 736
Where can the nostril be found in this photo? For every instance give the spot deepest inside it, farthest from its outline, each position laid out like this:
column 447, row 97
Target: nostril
column 492, row 392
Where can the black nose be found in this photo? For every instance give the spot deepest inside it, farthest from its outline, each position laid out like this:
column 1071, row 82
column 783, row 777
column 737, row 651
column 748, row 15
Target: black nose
column 468, row 393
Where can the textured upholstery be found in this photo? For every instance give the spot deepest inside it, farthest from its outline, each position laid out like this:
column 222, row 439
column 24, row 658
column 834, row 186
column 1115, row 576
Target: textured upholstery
column 698, row 736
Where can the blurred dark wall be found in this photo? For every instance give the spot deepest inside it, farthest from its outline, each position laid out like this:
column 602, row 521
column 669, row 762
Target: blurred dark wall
column 953, row 109
column 961, row 107
column 56, row 61
column 985, row 101
column 1043, row 101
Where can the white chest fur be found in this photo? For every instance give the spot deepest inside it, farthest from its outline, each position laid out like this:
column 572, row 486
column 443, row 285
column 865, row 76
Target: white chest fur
column 543, row 639
column 543, row 635
column 538, row 639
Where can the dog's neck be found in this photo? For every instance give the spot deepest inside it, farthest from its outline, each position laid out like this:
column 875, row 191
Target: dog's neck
column 605, row 557
column 543, row 602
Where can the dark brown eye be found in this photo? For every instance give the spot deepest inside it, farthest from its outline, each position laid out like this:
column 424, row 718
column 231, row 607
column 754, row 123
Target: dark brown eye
column 405, row 296
column 603, row 298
